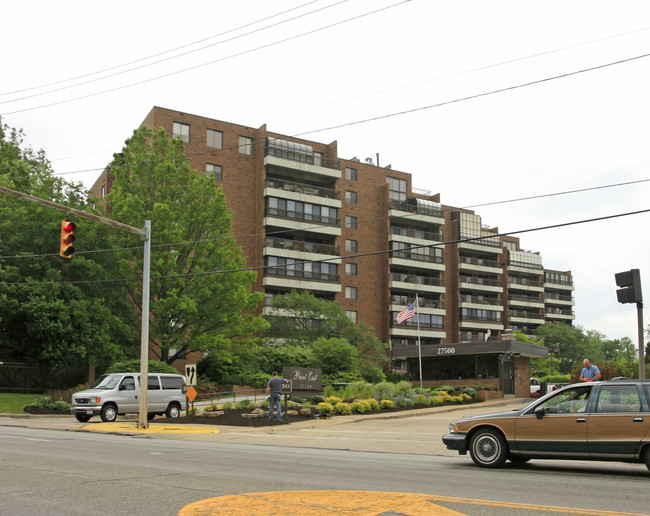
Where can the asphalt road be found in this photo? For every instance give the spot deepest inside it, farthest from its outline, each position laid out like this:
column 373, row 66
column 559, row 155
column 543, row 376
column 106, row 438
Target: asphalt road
column 353, row 466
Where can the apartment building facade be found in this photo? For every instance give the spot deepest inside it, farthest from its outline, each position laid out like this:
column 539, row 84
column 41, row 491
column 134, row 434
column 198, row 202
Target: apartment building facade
column 359, row 234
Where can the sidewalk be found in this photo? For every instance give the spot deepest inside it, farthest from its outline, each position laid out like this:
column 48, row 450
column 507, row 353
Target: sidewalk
column 418, row 430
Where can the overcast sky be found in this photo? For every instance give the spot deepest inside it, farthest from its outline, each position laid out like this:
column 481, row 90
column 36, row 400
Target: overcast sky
column 480, row 101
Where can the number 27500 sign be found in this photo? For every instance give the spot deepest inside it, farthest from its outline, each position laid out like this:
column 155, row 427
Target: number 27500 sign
column 446, row 351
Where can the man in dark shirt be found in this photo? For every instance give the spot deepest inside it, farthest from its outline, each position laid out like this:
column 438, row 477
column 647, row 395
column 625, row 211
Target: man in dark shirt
column 274, row 390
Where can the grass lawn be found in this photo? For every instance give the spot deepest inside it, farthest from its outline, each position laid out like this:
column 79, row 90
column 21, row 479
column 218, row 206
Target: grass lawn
column 14, row 403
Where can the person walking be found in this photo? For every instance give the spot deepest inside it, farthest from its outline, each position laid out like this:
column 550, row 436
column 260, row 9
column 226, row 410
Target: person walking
column 590, row 372
column 274, row 390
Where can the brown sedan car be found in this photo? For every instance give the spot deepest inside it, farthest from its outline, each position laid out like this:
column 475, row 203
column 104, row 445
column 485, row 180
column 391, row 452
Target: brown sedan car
column 598, row 421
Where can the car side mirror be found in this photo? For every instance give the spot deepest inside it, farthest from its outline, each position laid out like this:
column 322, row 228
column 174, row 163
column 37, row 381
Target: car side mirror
column 539, row 412
column 122, row 387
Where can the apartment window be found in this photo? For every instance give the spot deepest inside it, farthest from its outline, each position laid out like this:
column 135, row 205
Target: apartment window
column 351, row 246
column 350, row 222
column 213, row 171
column 351, row 197
column 245, row 145
column 351, row 269
column 350, row 292
column 181, row 131
column 103, row 192
column 397, row 188
column 350, row 174
column 214, row 139
column 352, row 315
column 318, row 159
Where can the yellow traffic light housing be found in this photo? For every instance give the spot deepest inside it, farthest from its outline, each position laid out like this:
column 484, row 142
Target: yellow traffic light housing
column 67, row 237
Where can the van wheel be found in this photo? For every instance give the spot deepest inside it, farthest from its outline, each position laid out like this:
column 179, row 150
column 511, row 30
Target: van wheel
column 173, row 411
column 82, row 418
column 151, row 415
column 488, row 448
column 108, row 413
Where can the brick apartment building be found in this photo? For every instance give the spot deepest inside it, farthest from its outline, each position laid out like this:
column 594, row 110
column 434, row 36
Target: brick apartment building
column 359, row 234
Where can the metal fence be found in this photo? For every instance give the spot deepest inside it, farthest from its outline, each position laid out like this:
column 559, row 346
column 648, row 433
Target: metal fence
column 33, row 379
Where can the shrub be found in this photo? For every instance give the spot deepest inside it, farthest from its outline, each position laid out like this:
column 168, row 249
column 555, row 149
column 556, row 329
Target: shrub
column 325, row 408
column 133, row 366
column 333, row 400
column 316, row 398
column 243, row 404
column 470, row 391
column 344, row 409
column 401, row 401
column 227, row 405
column 420, row 399
column 360, row 406
column 464, row 396
column 373, row 403
column 436, row 401
column 387, row 404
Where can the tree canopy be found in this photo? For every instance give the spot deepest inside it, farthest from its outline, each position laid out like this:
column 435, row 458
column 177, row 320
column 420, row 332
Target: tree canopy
column 202, row 299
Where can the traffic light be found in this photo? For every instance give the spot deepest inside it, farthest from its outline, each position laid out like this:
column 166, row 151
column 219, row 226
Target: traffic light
column 67, row 237
column 631, row 283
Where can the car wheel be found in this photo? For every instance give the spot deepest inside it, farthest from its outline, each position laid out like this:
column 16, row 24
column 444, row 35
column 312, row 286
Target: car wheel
column 646, row 457
column 173, row 411
column 488, row 448
column 82, row 418
column 108, row 413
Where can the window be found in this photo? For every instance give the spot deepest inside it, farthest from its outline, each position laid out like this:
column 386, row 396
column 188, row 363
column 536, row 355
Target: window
column 181, row 131
column 397, row 188
column 350, row 174
column 350, row 222
column 352, row 315
column 171, row 382
column 350, row 292
column 245, row 145
column 318, row 158
column 213, row 171
column 351, row 197
column 214, row 139
column 351, row 269
column 351, row 246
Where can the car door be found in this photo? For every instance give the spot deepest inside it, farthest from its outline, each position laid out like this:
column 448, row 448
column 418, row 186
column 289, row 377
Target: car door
column 127, row 396
column 562, row 428
column 619, row 422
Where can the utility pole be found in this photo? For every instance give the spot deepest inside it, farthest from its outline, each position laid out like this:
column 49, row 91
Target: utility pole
column 145, row 234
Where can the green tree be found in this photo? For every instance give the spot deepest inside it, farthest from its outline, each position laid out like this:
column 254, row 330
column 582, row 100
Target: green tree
column 571, row 344
column 302, row 318
column 335, row 356
column 48, row 315
column 201, row 298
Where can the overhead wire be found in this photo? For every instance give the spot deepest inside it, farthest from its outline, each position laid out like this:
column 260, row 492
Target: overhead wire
column 336, row 258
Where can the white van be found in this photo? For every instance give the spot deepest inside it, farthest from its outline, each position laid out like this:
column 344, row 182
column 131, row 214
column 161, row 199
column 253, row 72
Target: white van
column 119, row 393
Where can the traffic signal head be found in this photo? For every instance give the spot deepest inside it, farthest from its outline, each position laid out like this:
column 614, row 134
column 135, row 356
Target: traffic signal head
column 67, row 237
column 631, row 283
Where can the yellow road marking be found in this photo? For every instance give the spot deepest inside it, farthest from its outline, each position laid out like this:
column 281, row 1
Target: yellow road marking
column 152, row 429
column 358, row 503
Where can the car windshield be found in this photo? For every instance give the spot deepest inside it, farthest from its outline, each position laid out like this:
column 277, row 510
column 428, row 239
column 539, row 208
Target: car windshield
column 108, row 381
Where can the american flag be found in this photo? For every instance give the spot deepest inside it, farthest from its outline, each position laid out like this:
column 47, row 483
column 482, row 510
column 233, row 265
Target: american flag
column 406, row 314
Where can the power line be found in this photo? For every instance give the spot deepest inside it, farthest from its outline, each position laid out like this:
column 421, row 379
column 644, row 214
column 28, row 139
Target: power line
column 244, row 52
column 155, row 55
column 176, row 56
column 342, row 258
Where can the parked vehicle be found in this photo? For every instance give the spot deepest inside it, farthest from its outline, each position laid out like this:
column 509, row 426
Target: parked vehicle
column 598, row 421
column 119, row 393
column 536, row 388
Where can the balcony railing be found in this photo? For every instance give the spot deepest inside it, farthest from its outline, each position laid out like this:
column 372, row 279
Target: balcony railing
column 526, row 265
column 290, row 186
column 524, row 281
column 423, row 302
column 480, row 300
column 418, row 257
column 416, row 280
column 525, row 314
column 553, row 281
column 419, row 209
column 296, row 245
column 416, row 233
column 553, row 296
column 558, row 311
column 288, row 272
column 299, row 215
column 298, row 153
column 412, row 323
column 473, row 260
column 526, row 299
column 475, row 280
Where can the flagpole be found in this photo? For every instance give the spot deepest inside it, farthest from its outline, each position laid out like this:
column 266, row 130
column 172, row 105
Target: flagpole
column 417, row 314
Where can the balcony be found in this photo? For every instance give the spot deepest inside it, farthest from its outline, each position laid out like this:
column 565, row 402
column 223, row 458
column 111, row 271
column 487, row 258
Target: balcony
column 481, row 284
column 415, row 283
column 301, row 188
column 474, row 263
column 559, row 313
column 555, row 298
column 415, row 235
column 410, row 329
column 525, row 316
column 406, row 258
column 294, row 279
column 300, row 249
column 297, row 156
column 469, row 301
column 416, row 210
column 523, row 283
column 522, row 300
column 301, row 221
